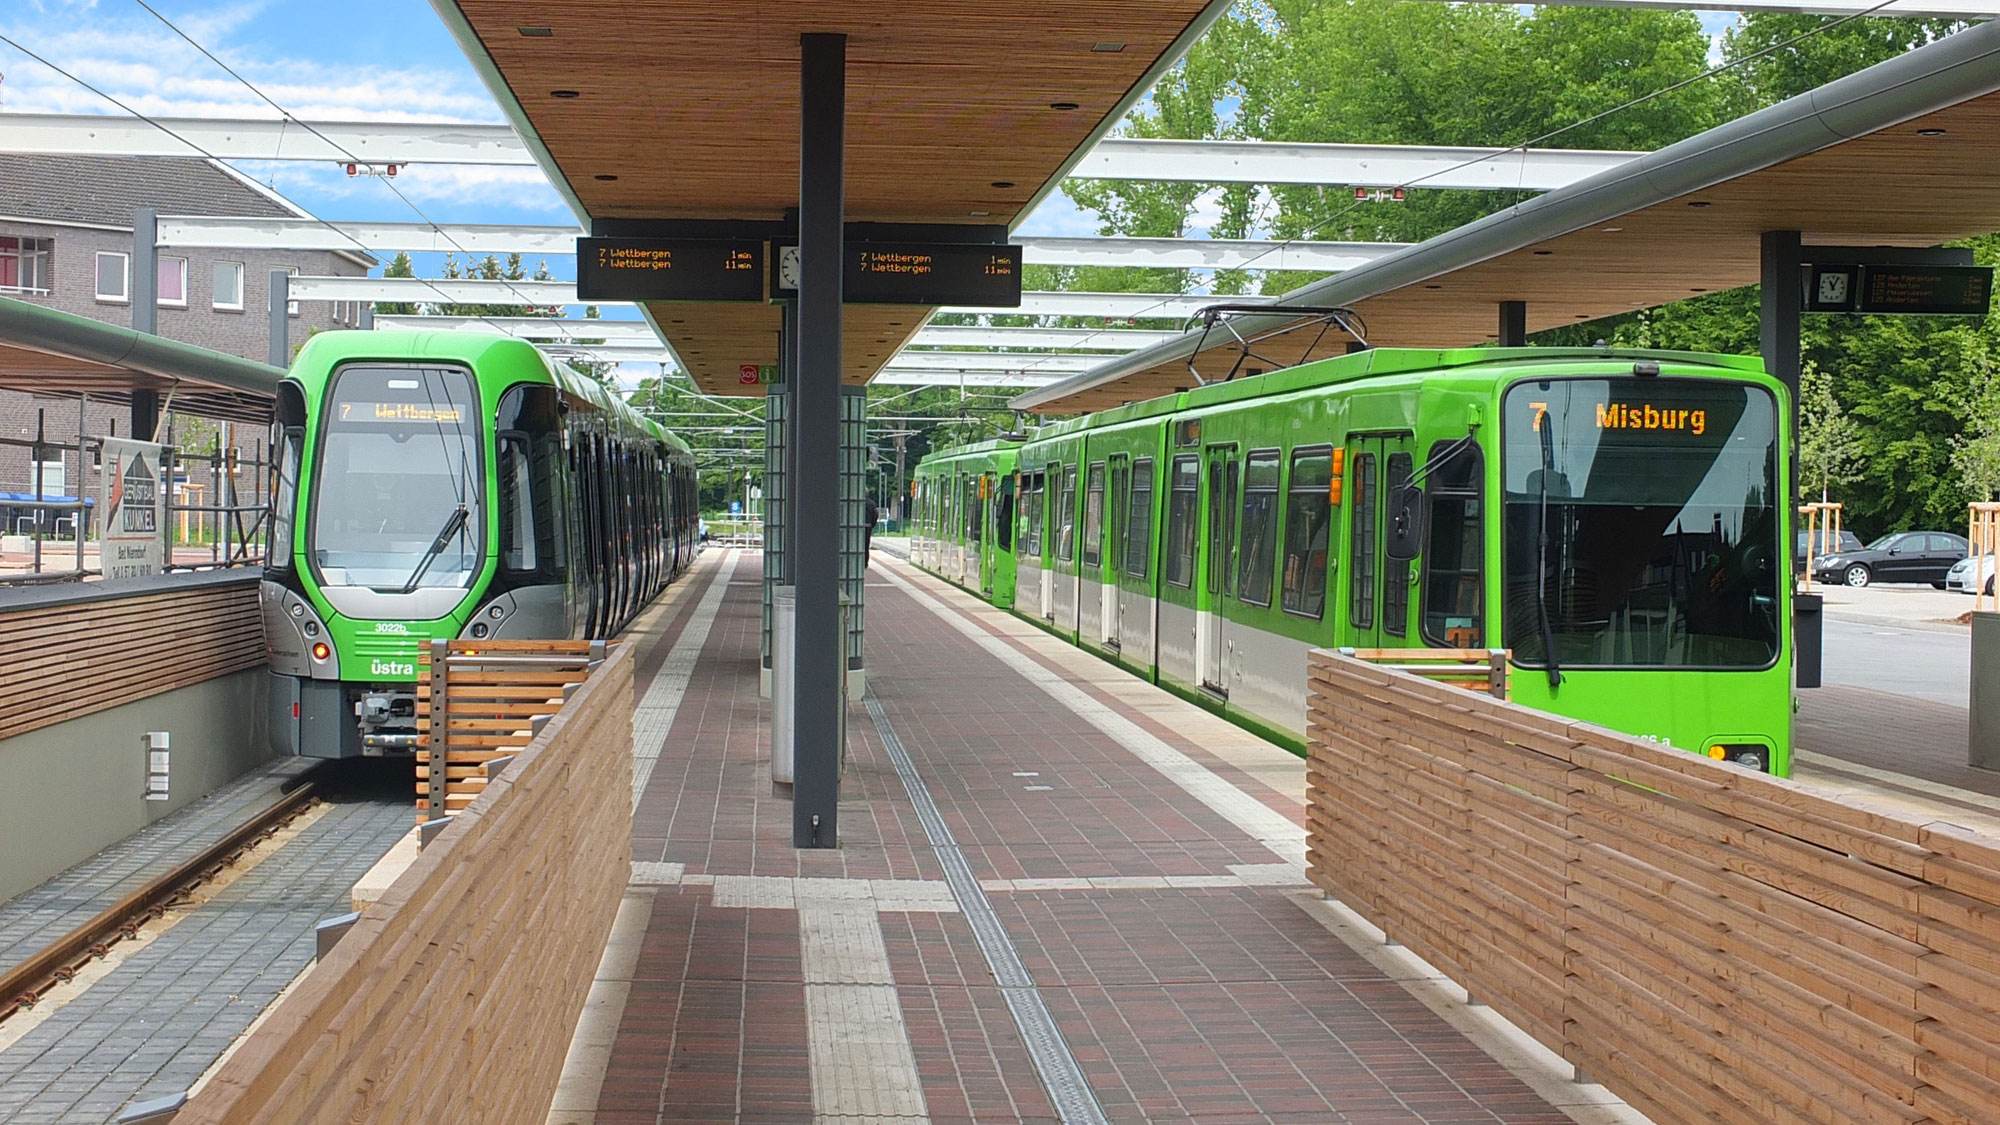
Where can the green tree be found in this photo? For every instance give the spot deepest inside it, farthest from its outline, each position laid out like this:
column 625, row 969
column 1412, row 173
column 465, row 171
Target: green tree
column 399, row 266
column 1829, row 441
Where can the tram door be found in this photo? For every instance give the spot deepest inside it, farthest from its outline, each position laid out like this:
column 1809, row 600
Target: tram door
column 1116, row 502
column 1378, row 588
column 1217, row 564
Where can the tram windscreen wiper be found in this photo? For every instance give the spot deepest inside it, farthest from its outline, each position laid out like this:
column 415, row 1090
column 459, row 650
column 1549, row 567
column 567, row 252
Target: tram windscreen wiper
column 453, row 524
column 1542, row 557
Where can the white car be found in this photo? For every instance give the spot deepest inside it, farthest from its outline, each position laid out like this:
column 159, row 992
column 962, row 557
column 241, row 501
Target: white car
column 1968, row 575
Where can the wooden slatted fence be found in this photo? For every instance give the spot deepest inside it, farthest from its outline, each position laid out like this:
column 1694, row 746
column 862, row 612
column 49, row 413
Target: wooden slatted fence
column 455, row 995
column 485, row 700
column 87, row 647
column 1710, row 943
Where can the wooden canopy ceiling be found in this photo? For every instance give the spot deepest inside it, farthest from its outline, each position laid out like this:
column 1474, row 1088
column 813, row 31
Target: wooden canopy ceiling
column 44, row 373
column 958, row 111
column 1893, row 187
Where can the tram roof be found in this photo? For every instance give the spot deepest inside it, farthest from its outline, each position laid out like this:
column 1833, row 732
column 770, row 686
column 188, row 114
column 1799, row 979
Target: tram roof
column 1895, row 155
column 691, row 111
column 46, row 351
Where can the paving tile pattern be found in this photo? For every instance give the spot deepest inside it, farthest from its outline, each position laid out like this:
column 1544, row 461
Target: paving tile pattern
column 1217, row 1002
column 158, row 1021
column 32, row 919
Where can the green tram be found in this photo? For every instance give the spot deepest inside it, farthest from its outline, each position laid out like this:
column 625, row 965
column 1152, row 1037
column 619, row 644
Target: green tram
column 445, row 485
column 1615, row 519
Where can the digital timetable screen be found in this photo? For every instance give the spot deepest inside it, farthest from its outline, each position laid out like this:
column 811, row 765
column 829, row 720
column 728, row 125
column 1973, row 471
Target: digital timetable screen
column 918, row 273
column 669, row 269
column 1914, row 289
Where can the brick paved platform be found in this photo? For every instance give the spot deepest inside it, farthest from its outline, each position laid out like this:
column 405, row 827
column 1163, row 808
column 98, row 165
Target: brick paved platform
column 1133, row 861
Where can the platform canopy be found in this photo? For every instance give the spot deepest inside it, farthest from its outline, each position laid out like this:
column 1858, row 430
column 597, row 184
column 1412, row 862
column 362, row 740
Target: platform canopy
column 1899, row 154
column 960, row 114
column 47, row 352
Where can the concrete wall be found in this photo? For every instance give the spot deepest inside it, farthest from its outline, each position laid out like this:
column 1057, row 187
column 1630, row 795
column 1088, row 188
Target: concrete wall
column 70, row 790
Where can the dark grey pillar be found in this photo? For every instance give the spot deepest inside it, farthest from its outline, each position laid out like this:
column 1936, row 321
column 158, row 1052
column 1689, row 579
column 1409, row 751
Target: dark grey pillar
column 281, row 322
column 1513, row 324
column 817, row 696
column 1783, row 300
column 144, row 290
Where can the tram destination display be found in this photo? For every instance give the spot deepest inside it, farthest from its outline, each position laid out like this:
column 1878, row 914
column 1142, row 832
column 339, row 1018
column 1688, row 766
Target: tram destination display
column 1907, row 289
column 917, row 273
column 669, row 269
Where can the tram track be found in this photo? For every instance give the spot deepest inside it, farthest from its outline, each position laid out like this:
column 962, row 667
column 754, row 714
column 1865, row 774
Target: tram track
column 23, row 986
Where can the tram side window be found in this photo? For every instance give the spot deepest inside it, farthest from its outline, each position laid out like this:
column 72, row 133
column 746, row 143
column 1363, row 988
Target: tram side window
column 1066, row 536
column 1003, row 513
column 1031, row 515
column 1308, row 523
column 1139, row 520
column 1395, row 574
column 528, row 434
column 1093, row 516
column 1454, row 553
column 1259, row 527
column 291, row 416
column 1361, row 571
column 1182, row 504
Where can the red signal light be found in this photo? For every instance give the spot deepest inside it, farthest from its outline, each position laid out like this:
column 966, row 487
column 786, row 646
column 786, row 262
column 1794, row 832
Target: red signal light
column 1361, row 193
column 321, row 652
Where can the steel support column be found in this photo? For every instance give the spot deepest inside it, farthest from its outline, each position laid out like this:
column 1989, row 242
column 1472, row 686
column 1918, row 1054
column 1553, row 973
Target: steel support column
column 144, row 290
column 280, row 353
column 818, row 703
column 1513, row 324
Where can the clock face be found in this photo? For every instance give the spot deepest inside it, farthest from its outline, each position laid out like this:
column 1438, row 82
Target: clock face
column 788, row 267
column 1832, row 288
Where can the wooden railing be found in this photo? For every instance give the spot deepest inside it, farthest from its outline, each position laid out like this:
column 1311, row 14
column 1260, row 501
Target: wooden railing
column 76, row 649
column 1477, row 669
column 455, row 995
column 482, row 702
column 1710, row 943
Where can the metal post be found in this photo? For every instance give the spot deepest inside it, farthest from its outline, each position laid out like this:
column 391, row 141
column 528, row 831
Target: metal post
column 82, row 481
column 817, row 697
column 281, row 324
column 902, row 493
column 788, row 353
column 1513, row 324
column 41, row 513
column 367, row 320
column 145, row 293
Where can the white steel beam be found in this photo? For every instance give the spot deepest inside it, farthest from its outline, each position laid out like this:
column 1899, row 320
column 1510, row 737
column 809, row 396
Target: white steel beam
column 1386, row 166
column 550, row 293
column 1172, row 306
column 973, row 336
column 308, row 234
column 537, row 327
column 610, row 355
column 437, row 291
column 376, row 142
column 914, row 378
column 1202, row 253
column 992, row 361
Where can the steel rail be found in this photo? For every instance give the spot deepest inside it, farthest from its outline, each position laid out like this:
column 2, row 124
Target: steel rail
column 25, row 984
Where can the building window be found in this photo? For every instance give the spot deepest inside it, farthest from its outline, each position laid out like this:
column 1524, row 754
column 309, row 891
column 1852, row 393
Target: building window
column 114, row 276
column 291, row 307
column 25, row 264
column 229, row 285
column 173, row 276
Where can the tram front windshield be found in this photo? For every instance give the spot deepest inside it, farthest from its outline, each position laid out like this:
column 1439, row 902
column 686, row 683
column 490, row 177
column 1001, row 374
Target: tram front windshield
column 1641, row 523
column 396, row 491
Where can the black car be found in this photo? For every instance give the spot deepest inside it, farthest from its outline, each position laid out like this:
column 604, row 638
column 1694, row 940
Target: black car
column 1824, row 543
column 1904, row 556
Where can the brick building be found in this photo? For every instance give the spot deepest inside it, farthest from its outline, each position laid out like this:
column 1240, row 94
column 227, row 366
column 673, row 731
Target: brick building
column 66, row 243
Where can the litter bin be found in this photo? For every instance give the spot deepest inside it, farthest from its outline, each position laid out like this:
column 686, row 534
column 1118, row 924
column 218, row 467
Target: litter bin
column 1808, row 638
column 1982, row 736
column 784, row 646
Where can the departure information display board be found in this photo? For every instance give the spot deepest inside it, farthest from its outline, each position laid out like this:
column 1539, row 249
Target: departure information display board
column 918, row 273
column 669, row 269
column 1917, row 289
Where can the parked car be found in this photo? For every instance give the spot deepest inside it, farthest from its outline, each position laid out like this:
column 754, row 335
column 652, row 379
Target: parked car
column 1824, row 543
column 1968, row 575
column 1903, row 556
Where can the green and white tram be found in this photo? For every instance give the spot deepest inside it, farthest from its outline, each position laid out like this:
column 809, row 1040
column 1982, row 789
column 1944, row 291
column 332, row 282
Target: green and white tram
column 444, row 485
column 1614, row 519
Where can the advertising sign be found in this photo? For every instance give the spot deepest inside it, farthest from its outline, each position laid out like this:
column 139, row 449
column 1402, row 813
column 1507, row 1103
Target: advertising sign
column 133, row 508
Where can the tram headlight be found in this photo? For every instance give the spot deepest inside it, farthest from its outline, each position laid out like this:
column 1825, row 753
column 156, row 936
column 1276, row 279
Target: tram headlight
column 321, row 651
column 479, row 629
column 1749, row 755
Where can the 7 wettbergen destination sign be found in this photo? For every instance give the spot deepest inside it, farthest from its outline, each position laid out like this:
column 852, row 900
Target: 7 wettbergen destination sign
column 669, row 269
column 918, row 273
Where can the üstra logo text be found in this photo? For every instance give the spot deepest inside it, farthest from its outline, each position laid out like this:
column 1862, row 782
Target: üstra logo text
column 391, row 668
